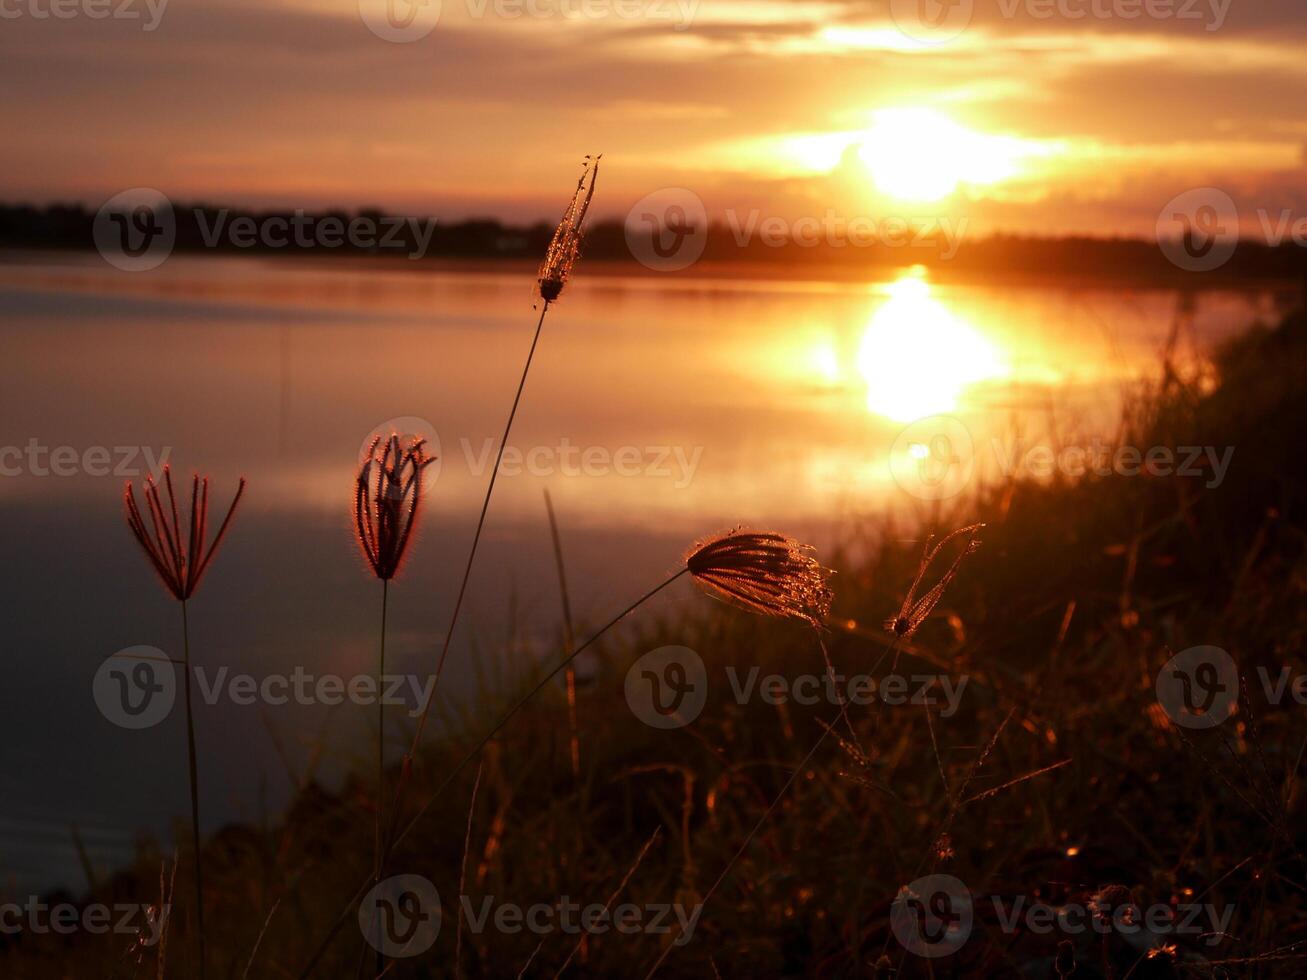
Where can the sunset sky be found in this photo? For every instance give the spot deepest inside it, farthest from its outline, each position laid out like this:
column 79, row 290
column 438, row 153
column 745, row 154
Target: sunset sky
column 1025, row 117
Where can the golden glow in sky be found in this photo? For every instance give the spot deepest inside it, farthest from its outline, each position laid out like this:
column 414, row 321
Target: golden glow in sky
column 1059, row 124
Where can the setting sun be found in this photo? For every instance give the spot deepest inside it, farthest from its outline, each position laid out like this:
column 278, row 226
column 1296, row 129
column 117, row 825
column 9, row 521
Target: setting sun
column 923, row 155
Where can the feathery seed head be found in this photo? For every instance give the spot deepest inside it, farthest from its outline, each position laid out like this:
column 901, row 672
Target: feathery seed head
column 565, row 247
column 915, row 610
column 766, row 573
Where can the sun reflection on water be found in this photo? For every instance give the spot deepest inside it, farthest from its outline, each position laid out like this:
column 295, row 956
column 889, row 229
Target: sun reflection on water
column 917, row 356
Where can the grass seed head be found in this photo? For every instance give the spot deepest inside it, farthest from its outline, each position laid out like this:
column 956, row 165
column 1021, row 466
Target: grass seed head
column 915, row 610
column 565, row 247
column 769, row 574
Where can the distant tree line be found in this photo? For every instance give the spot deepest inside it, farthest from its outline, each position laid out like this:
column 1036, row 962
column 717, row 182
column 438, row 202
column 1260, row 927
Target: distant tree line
column 70, row 226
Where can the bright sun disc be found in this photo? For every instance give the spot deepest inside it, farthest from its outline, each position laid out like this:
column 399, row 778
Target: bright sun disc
column 922, row 155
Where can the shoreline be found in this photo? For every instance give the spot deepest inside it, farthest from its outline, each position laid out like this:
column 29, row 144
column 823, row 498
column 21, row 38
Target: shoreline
column 718, row 271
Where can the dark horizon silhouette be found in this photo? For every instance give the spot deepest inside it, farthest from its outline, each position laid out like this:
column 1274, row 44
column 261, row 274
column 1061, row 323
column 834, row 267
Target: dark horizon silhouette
column 201, row 227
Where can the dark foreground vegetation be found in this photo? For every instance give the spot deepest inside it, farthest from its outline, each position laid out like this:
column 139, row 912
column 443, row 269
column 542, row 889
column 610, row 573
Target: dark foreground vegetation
column 1058, row 780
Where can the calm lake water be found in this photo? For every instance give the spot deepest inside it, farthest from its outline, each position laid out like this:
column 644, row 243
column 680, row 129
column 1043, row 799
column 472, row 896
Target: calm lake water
column 657, row 410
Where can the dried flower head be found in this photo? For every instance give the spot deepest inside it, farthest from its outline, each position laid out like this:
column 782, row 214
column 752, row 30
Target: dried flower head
column 914, row 610
column 387, row 496
column 565, row 247
column 180, row 566
column 769, row 574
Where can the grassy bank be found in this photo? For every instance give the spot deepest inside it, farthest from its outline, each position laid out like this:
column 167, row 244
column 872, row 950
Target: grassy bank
column 1058, row 779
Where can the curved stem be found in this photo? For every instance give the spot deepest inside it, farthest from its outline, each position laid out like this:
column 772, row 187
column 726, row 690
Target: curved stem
column 195, row 789
column 485, row 740
column 411, row 754
column 343, row 917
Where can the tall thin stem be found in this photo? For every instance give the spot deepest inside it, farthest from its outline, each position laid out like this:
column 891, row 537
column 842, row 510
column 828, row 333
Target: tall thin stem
column 569, row 637
column 398, row 836
column 195, row 789
column 381, row 753
column 407, row 766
